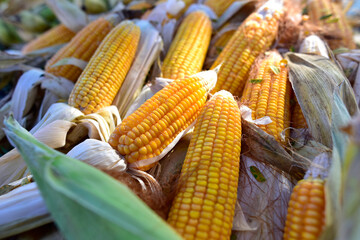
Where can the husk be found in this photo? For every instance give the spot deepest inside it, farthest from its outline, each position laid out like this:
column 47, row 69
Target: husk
column 263, row 147
column 59, row 129
column 231, row 12
column 149, row 49
column 79, row 196
column 22, row 209
column 28, row 105
column 159, row 17
column 262, row 204
column 314, row 80
column 71, row 61
column 314, row 45
column 69, row 14
column 98, row 154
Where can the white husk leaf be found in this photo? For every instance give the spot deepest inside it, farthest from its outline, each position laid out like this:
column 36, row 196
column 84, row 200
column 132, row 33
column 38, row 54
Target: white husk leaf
column 13, row 167
column 22, row 209
column 98, row 154
column 53, row 132
column 147, row 92
column 230, row 12
column 264, row 204
column 26, row 95
column 246, row 115
column 319, row 166
column 69, row 14
column 314, row 45
column 149, row 49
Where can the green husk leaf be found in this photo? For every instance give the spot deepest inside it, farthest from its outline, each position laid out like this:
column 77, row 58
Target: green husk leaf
column 259, row 80
column 333, row 186
column 333, row 20
column 314, row 80
column 325, row 16
column 84, row 202
column 275, row 69
column 257, row 174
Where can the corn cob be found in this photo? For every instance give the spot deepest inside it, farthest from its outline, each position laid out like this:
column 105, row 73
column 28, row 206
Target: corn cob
column 57, row 35
column 188, row 49
column 267, row 93
column 155, row 124
column 101, row 79
column 82, row 46
column 306, row 212
column 253, row 37
column 331, row 17
column 95, row 6
column 297, row 117
column 204, row 205
column 219, row 6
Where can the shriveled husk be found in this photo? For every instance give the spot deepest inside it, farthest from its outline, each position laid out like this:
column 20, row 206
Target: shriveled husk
column 314, row 45
column 62, row 128
column 69, row 14
column 349, row 62
column 235, row 11
column 160, row 18
column 263, row 196
column 22, row 209
column 80, row 197
column 27, row 103
column 148, row 51
column 315, row 80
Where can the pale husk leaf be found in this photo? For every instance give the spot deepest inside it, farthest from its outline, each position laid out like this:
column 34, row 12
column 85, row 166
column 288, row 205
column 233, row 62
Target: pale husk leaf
column 263, row 202
column 69, row 14
column 150, row 46
column 314, row 45
column 22, row 209
column 98, row 154
column 12, row 166
column 314, row 80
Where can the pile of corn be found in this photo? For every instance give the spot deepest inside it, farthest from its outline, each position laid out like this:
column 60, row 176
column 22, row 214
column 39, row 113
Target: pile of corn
column 192, row 142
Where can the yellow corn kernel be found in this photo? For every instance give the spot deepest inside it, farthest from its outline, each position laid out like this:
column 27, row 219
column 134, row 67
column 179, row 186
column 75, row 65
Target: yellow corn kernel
column 219, row 6
column 82, row 46
column 306, row 212
column 188, row 49
column 297, row 117
column 155, row 124
column 57, row 35
column 267, row 93
column 254, row 36
column 102, row 78
column 213, row 154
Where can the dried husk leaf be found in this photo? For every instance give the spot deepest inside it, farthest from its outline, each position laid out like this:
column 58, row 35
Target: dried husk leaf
column 263, row 195
column 263, row 147
column 22, row 209
column 98, row 154
column 314, row 45
column 148, row 51
column 314, row 80
column 231, row 12
column 69, row 14
column 12, row 166
column 71, row 61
